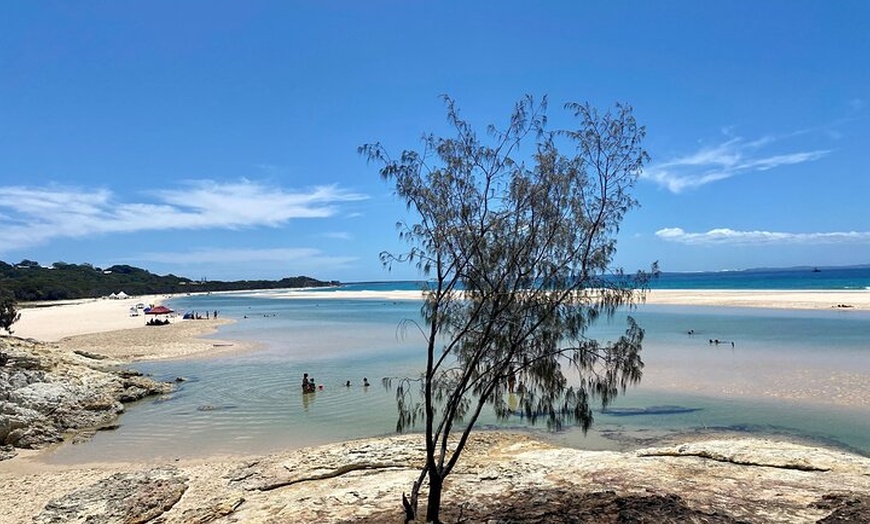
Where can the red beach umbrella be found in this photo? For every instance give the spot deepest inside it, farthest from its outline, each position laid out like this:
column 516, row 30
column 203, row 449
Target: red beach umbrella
column 159, row 310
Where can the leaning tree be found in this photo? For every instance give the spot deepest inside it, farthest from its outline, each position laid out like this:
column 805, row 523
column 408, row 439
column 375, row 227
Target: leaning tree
column 517, row 240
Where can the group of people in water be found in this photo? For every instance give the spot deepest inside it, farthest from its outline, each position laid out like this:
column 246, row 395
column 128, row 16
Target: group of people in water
column 310, row 386
column 712, row 341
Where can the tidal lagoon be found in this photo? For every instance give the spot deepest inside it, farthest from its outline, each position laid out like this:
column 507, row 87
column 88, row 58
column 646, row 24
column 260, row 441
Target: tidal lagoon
column 797, row 373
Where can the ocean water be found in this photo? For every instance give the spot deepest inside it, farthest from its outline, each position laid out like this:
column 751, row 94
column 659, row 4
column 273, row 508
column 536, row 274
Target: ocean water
column 798, row 278
column 767, row 383
column 830, row 278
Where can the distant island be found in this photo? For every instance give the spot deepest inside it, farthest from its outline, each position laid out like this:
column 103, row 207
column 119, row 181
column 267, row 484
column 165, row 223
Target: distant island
column 29, row 281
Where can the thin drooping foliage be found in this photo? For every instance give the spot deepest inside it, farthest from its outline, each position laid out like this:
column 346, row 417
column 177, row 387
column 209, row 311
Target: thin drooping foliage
column 518, row 254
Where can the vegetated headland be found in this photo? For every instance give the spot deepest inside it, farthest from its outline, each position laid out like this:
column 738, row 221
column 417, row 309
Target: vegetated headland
column 28, row 281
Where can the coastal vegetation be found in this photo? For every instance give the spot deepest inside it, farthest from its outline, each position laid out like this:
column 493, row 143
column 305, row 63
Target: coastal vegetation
column 29, row 281
column 8, row 311
column 517, row 240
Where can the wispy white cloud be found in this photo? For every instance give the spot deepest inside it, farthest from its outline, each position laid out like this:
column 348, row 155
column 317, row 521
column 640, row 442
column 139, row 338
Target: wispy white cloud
column 35, row 215
column 721, row 236
column 721, row 161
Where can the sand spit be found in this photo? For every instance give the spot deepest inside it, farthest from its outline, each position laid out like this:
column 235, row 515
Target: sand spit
column 777, row 299
column 180, row 339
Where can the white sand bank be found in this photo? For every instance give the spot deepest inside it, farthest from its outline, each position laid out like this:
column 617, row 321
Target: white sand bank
column 763, row 298
column 344, row 294
column 787, row 299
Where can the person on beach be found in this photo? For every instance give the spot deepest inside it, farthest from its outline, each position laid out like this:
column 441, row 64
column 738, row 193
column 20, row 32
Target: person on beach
column 305, row 383
column 347, row 384
column 365, row 382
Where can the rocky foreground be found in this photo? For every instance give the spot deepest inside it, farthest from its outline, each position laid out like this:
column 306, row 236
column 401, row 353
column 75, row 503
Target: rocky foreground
column 46, row 391
column 503, row 478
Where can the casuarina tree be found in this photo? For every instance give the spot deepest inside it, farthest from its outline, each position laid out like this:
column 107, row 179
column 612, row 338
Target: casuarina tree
column 516, row 233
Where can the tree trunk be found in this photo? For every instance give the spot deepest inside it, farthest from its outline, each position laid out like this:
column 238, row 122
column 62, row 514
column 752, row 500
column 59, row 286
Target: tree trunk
column 433, row 504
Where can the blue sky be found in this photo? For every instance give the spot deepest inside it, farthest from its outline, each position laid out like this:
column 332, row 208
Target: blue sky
column 219, row 139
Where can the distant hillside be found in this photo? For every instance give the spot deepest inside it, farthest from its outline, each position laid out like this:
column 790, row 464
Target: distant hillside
column 28, row 281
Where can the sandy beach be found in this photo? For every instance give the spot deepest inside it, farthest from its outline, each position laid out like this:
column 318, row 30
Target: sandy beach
column 52, row 321
column 106, row 327
column 777, row 299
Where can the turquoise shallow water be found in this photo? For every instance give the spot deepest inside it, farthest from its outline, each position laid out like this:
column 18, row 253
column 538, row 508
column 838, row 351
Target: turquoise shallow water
column 803, row 278
column 252, row 403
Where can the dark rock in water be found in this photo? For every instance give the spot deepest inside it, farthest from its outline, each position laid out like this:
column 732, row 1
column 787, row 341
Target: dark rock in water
column 138, row 387
column 164, row 398
column 124, row 497
column 651, row 410
column 211, row 407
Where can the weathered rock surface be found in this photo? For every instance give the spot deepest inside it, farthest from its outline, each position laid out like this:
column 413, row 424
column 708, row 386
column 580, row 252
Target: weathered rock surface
column 502, row 478
column 127, row 498
column 46, row 392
